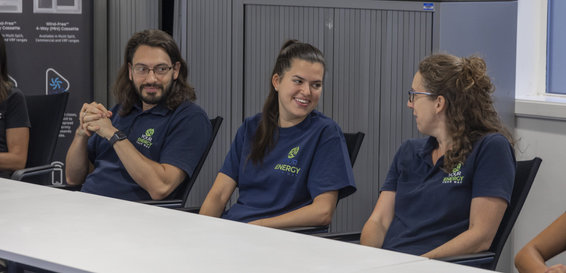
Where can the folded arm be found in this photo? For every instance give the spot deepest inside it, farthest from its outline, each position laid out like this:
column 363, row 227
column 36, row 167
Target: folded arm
column 318, row 213
column 485, row 215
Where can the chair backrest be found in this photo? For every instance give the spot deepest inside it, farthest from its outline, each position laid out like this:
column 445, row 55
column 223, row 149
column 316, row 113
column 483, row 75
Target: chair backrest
column 45, row 115
column 183, row 193
column 524, row 178
column 354, row 143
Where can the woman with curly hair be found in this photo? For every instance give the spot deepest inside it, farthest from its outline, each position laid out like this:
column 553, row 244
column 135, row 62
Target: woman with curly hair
column 445, row 195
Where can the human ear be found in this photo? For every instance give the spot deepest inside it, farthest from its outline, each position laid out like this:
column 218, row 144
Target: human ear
column 275, row 81
column 440, row 104
column 130, row 72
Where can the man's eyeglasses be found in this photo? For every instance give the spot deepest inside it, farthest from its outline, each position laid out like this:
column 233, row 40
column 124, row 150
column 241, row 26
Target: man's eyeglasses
column 158, row 70
column 413, row 92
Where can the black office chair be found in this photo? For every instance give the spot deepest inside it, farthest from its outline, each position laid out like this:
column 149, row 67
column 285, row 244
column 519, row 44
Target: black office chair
column 524, row 177
column 525, row 174
column 181, row 197
column 45, row 114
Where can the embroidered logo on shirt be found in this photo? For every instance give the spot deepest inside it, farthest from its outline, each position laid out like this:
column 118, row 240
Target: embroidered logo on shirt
column 293, row 152
column 455, row 177
column 146, row 138
column 289, row 165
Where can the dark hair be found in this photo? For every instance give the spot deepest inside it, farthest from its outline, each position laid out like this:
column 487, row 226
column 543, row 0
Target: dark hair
column 5, row 83
column 124, row 89
column 265, row 136
column 470, row 112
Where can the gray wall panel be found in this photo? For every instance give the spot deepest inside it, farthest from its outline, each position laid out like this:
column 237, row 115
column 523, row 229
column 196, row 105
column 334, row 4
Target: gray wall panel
column 203, row 30
column 125, row 17
column 266, row 28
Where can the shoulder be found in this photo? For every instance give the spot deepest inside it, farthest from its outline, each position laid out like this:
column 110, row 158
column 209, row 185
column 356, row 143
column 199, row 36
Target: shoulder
column 15, row 101
column 250, row 124
column 190, row 110
column 416, row 144
column 15, row 94
column 319, row 121
column 492, row 141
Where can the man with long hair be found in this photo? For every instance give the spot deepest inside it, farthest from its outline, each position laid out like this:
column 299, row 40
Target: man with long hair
column 151, row 141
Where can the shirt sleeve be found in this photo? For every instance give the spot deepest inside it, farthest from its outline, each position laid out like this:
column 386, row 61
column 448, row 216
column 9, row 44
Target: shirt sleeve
column 494, row 174
column 17, row 111
column 331, row 168
column 395, row 170
column 231, row 166
column 186, row 140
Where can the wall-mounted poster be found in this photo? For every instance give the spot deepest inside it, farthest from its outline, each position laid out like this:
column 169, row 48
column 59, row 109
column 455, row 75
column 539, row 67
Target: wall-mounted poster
column 49, row 48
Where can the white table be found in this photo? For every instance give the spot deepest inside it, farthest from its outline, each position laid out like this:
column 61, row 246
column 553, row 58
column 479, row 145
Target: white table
column 77, row 232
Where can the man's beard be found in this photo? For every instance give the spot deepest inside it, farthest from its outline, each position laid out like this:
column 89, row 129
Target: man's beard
column 152, row 99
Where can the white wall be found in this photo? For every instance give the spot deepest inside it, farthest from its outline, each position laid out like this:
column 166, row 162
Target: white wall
column 540, row 129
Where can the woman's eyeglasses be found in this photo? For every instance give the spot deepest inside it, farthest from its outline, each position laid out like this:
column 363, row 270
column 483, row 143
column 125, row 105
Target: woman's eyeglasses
column 413, row 92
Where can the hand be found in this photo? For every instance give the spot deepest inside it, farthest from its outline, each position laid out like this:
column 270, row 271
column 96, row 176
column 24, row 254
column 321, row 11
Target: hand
column 101, row 126
column 557, row 268
column 91, row 112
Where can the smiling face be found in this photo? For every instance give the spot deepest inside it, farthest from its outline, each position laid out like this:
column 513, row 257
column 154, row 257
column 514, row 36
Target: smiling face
column 299, row 89
column 152, row 88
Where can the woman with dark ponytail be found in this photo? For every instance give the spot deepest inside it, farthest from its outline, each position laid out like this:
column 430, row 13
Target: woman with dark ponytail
column 289, row 162
column 14, row 121
column 446, row 194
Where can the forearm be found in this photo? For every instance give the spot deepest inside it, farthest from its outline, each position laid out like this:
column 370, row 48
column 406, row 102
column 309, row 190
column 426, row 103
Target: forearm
column 468, row 242
column 12, row 161
column 150, row 175
column 310, row 215
column 373, row 234
column 76, row 162
column 529, row 260
column 212, row 206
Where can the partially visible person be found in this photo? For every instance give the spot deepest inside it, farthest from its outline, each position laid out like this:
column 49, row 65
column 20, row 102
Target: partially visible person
column 446, row 194
column 152, row 140
column 14, row 121
column 290, row 162
column 547, row 244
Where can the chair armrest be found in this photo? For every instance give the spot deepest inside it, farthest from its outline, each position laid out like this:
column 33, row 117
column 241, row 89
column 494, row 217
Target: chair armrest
column 66, row 187
column 350, row 237
column 468, row 257
column 34, row 171
column 173, row 204
column 194, row 210
column 309, row 230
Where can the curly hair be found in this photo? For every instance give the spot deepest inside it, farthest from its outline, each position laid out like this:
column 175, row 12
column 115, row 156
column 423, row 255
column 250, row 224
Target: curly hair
column 264, row 139
column 467, row 89
column 124, row 89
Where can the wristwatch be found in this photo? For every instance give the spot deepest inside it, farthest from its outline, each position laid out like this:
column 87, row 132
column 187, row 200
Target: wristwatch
column 117, row 136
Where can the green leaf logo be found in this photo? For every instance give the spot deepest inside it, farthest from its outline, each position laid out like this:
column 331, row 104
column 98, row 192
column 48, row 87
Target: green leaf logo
column 293, row 152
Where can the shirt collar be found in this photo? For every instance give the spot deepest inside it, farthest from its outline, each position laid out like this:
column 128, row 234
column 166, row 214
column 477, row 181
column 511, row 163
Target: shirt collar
column 159, row 109
column 425, row 151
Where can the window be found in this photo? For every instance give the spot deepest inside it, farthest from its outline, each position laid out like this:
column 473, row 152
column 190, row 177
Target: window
column 556, row 43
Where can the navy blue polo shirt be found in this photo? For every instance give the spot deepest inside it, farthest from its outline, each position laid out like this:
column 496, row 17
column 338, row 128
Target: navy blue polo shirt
column 176, row 137
column 309, row 159
column 431, row 206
